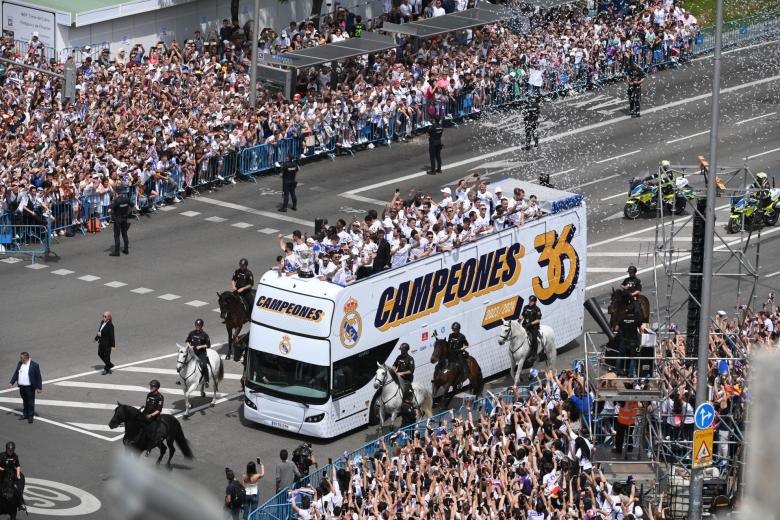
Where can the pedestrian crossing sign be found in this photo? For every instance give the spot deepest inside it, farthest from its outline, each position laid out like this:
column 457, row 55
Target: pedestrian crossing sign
column 702, row 448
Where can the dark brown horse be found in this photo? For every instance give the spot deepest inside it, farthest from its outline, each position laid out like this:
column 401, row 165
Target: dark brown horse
column 234, row 316
column 621, row 298
column 445, row 375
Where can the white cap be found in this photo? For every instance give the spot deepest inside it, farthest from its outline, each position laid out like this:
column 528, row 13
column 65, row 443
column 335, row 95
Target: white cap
column 446, row 190
column 498, row 189
column 35, row 34
column 387, row 222
column 722, row 314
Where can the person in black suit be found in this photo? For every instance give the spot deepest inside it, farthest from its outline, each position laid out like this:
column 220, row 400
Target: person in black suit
column 27, row 377
column 383, row 256
column 106, row 342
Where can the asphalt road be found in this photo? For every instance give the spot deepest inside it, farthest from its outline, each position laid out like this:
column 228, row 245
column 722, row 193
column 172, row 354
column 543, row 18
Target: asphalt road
column 182, row 256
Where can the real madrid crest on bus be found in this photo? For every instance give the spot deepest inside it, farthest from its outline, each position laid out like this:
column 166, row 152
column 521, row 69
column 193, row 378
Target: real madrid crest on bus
column 285, row 346
column 351, row 325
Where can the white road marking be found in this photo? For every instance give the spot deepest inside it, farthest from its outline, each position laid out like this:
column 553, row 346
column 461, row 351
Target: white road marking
column 189, row 213
column 169, row 207
column 169, row 297
column 61, row 425
column 562, row 135
column 89, row 278
column 167, row 371
column 561, row 173
column 637, row 232
column 589, row 101
column 596, row 181
column 687, row 137
column 651, row 239
column 607, row 104
column 115, row 284
column 755, row 118
column 268, row 231
column 679, row 259
column 242, row 225
column 196, row 303
column 142, row 290
column 62, row 272
column 215, row 219
column 606, row 269
column 361, row 198
column 746, row 158
column 120, row 388
column 624, row 194
column 618, row 156
column 11, row 260
column 71, row 404
column 216, row 310
column 36, row 266
column 614, row 216
column 246, row 209
column 608, row 254
column 98, row 427
column 770, row 275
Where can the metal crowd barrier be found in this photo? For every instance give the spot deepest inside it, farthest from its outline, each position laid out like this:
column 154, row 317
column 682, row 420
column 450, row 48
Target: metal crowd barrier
column 34, row 240
column 278, row 507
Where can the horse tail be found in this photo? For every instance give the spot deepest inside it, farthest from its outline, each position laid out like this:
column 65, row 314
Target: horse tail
column 221, row 370
column 478, row 384
column 181, row 440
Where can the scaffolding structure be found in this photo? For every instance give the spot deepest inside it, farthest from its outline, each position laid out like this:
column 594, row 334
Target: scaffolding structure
column 662, row 453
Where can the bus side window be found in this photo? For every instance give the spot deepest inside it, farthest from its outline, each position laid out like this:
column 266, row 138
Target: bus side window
column 353, row 373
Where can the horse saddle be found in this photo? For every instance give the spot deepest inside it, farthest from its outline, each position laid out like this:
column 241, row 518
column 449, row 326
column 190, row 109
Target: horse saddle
column 156, row 432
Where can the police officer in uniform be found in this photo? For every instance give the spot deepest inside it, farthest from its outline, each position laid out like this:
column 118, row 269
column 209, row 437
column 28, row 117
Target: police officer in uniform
column 289, row 171
column 632, row 284
column 200, row 341
column 531, row 121
column 634, row 78
column 435, row 131
column 458, row 354
column 243, row 282
column 152, row 409
column 532, row 318
column 120, row 211
column 9, row 462
column 404, row 367
column 762, row 187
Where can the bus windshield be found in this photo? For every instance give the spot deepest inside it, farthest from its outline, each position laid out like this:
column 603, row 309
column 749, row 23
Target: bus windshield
column 287, row 378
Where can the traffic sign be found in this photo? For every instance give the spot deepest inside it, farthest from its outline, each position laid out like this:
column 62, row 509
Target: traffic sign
column 705, row 415
column 702, row 448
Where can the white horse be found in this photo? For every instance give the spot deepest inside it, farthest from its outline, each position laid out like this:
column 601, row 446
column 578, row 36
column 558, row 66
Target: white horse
column 188, row 367
column 391, row 398
column 514, row 333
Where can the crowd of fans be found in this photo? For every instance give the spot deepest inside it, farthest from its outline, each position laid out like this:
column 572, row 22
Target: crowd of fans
column 407, row 230
column 150, row 119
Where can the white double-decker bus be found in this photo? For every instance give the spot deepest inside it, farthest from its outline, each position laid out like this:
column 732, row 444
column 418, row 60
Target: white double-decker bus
column 314, row 345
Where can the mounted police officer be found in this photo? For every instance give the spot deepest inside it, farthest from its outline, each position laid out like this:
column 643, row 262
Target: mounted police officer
column 200, row 341
column 531, row 121
column 243, row 282
column 404, row 367
column 532, row 318
column 152, row 409
column 458, row 355
column 628, row 334
column 632, row 284
column 9, row 462
column 120, row 211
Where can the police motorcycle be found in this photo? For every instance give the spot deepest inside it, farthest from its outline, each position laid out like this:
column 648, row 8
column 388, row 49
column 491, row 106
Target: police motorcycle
column 748, row 213
column 643, row 198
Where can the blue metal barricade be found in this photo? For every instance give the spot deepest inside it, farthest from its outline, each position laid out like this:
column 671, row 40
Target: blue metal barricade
column 34, row 240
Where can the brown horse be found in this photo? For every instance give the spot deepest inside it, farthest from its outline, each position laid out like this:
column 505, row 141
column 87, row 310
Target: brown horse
column 234, row 316
column 445, row 374
column 620, row 301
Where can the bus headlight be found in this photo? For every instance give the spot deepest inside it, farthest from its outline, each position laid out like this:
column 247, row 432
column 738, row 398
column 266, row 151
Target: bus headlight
column 315, row 418
column 249, row 403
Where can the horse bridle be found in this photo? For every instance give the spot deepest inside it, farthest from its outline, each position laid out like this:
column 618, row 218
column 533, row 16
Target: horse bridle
column 180, row 364
column 508, row 337
column 383, row 382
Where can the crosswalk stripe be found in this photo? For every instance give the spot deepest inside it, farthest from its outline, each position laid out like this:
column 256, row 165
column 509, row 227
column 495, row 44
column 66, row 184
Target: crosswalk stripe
column 589, row 101
column 169, row 207
column 242, row 225
column 196, row 303
column 169, row 371
column 142, row 290
column 115, row 284
column 97, row 427
column 71, row 404
column 11, row 260
column 606, row 104
column 215, row 219
column 121, row 388
column 606, row 269
column 169, row 297
column 607, row 254
column 89, row 278
column 36, row 266
column 268, row 231
column 62, row 272
column 189, row 213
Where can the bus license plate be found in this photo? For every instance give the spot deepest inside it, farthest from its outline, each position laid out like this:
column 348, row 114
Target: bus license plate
column 277, row 424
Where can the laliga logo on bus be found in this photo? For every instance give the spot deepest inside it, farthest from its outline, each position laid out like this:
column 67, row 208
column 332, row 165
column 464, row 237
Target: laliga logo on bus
column 351, row 325
column 285, row 346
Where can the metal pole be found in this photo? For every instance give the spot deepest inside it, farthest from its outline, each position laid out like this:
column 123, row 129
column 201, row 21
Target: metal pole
column 697, row 477
column 254, row 57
